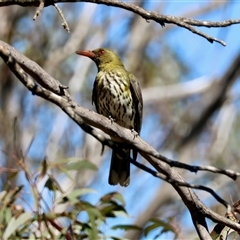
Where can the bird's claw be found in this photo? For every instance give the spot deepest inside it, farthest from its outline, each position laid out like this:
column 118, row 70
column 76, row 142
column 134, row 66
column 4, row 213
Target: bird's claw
column 135, row 134
column 111, row 119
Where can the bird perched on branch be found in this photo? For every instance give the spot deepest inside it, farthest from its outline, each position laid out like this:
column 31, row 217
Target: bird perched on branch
column 117, row 95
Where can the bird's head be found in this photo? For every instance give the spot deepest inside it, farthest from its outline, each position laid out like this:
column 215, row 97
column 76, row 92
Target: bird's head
column 102, row 57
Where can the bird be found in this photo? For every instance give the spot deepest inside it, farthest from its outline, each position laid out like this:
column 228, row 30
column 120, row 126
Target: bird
column 117, row 95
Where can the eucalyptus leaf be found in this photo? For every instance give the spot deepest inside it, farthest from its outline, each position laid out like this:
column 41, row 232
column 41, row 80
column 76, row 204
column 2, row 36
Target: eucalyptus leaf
column 15, row 223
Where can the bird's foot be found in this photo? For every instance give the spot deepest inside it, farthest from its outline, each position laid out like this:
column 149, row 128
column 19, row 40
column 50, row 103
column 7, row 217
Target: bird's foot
column 111, row 119
column 135, row 134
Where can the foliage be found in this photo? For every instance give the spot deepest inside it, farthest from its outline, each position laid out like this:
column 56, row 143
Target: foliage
column 79, row 219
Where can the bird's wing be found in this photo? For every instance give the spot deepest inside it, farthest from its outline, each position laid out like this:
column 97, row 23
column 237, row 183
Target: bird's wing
column 94, row 94
column 137, row 99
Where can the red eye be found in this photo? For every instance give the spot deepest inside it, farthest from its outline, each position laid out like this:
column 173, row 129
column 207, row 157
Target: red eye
column 101, row 51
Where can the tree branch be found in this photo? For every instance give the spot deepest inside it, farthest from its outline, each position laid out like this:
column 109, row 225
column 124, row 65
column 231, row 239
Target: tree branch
column 187, row 23
column 64, row 24
column 183, row 184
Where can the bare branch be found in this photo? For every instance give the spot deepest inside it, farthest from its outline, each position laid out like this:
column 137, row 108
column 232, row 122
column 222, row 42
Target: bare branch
column 195, row 169
column 187, row 23
column 183, row 184
column 200, row 224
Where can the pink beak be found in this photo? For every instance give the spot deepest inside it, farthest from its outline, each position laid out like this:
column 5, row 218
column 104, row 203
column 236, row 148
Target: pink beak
column 87, row 53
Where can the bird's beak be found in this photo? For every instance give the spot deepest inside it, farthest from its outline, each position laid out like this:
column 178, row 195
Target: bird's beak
column 88, row 53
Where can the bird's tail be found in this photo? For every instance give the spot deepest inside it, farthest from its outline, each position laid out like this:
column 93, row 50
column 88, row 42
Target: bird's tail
column 120, row 168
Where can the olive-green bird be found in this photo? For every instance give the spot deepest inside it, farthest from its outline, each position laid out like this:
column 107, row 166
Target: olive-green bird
column 117, row 95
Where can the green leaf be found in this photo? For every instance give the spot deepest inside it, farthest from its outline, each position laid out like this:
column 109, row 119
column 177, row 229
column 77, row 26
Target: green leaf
column 52, row 184
column 2, row 215
column 5, row 216
column 23, row 218
column 120, row 198
column 93, row 230
column 80, row 192
column 31, row 236
column 94, row 212
column 121, row 214
column 11, row 195
column 67, row 164
column 15, row 223
column 81, row 165
column 8, row 214
column 65, row 171
column 158, row 223
column 74, row 196
column 113, row 209
column 126, row 227
column 67, row 160
column 13, row 175
column 113, row 196
column 150, row 228
column 3, row 194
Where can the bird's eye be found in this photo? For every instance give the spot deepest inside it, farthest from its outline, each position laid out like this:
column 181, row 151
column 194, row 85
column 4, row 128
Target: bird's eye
column 101, row 52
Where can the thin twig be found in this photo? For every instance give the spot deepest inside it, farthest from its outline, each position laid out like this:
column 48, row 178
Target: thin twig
column 39, row 9
column 182, row 184
column 64, row 24
column 163, row 19
column 193, row 168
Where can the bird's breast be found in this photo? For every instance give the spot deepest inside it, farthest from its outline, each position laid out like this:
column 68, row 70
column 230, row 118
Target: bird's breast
column 114, row 98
